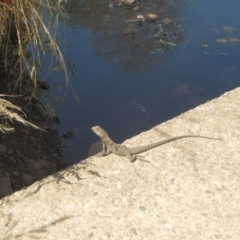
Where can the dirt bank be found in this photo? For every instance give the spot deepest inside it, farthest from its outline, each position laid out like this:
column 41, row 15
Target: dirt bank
column 28, row 155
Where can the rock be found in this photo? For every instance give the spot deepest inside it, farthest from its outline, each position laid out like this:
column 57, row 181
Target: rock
column 54, row 132
column 28, row 179
column 56, row 119
column 20, row 163
column 133, row 26
column 3, row 149
column 63, row 164
column 70, row 134
column 41, row 168
column 25, row 132
column 40, row 110
column 25, row 160
column 32, row 139
column 15, row 173
column 151, row 17
column 5, row 186
column 224, row 39
column 60, row 151
column 43, row 85
column 125, row 3
column 55, row 155
column 10, row 151
column 30, row 94
column 19, row 153
column 169, row 21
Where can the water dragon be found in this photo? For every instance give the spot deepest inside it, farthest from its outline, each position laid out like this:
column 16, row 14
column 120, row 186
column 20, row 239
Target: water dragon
column 122, row 150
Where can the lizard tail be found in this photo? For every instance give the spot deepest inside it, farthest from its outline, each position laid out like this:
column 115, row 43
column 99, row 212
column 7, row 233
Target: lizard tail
column 136, row 150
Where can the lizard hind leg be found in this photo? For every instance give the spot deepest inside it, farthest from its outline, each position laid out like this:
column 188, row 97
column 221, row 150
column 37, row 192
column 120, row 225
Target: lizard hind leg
column 134, row 158
column 130, row 157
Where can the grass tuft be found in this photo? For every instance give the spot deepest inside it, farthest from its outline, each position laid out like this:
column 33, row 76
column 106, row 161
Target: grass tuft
column 8, row 113
column 28, row 30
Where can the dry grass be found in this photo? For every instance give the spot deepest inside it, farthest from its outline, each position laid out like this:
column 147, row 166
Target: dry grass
column 8, row 113
column 28, row 30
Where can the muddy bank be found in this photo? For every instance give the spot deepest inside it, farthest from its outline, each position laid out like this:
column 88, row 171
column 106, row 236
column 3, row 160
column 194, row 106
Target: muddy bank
column 28, row 155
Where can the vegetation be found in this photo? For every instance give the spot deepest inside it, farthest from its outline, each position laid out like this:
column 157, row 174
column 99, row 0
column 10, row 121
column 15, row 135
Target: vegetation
column 28, row 30
column 7, row 113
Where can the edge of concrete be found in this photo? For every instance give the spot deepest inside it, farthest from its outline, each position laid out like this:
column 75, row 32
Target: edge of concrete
column 187, row 189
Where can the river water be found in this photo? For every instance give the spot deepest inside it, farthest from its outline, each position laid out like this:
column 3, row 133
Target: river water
column 129, row 83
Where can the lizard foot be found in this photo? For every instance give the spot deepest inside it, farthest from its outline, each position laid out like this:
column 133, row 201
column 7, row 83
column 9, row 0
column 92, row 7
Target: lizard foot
column 142, row 159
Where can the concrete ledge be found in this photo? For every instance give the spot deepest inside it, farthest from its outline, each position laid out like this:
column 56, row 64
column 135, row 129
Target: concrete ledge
column 189, row 189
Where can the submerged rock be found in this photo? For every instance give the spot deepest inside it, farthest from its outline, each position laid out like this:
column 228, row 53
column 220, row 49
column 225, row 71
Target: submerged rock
column 224, row 39
column 228, row 28
column 151, row 17
column 133, row 26
column 167, row 43
column 71, row 133
column 128, row 4
column 169, row 21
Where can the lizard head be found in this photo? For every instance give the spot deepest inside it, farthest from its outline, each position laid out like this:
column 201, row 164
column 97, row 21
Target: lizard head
column 99, row 131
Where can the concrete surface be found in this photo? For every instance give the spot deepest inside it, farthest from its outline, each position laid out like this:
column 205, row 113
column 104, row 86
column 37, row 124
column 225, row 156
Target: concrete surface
column 188, row 189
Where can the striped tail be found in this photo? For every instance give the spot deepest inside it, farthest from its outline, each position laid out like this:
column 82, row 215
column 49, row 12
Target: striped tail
column 136, row 150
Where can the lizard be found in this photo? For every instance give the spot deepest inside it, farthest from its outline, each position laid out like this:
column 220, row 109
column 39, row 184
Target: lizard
column 122, row 150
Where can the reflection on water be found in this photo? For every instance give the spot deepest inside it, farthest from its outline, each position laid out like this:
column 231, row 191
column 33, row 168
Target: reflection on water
column 128, row 83
column 146, row 49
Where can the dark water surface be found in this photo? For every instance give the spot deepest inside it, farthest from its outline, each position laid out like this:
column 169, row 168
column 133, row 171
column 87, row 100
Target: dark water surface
column 129, row 84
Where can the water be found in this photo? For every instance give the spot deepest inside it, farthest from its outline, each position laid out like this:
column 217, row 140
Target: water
column 128, row 84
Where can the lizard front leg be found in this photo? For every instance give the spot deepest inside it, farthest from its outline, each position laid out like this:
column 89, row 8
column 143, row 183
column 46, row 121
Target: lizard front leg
column 104, row 152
